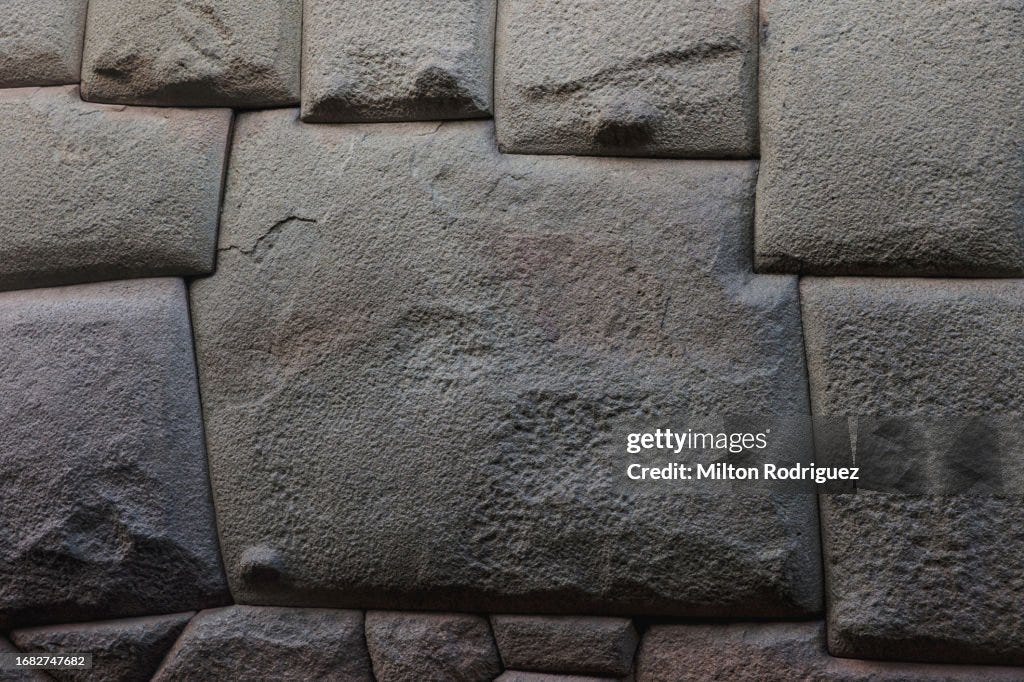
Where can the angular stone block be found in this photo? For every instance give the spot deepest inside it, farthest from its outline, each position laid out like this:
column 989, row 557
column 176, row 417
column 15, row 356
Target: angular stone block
column 127, row 650
column 407, row 647
column 269, row 643
column 779, row 652
column 41, row 42
column 223, row 53
column 105, row 505
column 393, row 60
column 94, row 192
column 923, row 577
column 891, row 138
column 674, row 78
column 419, row 358
column 570, row 644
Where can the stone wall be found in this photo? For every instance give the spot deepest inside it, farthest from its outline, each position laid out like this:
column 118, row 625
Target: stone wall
column 320, row 320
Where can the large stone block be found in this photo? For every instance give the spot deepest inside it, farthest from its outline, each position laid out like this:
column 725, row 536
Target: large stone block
column 891, row 138
column 268, row 643
column 779, row 652
column 924, row 577
column 392, row 60
column 128, row 650
column 226, row 53
column 105, row 505
column 41, row 42
column 417, row 356
column 94, row 192
column 566, row 644
column 627, row 77
column 407, row 646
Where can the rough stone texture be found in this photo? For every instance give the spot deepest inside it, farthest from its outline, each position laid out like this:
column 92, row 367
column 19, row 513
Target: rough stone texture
column 229, row 53
column 525, row 676
column 393, row 60
column 779, row 652
column 104, row 499
column 123, row 650
column 269, row 643
column 892, row 138
column 632, row 78
column 922, row 577
column 33, row 675
column 448, row 647
column 41, row 42
column 573, row 644
column 419, row 358
column 93, row 192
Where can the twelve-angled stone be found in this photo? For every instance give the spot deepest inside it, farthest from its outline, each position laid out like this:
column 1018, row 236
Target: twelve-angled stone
column 627, row 77
column 420, row 359
column 105, row 505
column 891, row 138
column 94, row 192
column 41, row 42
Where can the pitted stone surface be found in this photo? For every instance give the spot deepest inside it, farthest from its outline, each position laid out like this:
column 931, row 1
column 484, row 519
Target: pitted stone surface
column 41, row 42
column 104, row 500
column 525, row 676
column 779, row 652
column 269, row 643
column 418, row 357
column 569, row 644
column 891, row 138
column 228, row 53
column 127, row 650
column 409, row 647
column 627, row 77
column 33, row 675
column 94, row 192
column 392, row 60
column 923, row 577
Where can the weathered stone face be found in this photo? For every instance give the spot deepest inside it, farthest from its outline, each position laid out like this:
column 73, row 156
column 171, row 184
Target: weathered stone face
column 416, row 355
column 41, row 42
column 629, row 78
column 30, row 675
column 778, row 652
column 524, row 676
column 392, row 60
column 566, row 644
column 408, row 647
column 94, row 192
column 267, row 643
column 127, row 650
column 891, row 138
column 228, row 53
column 104, row 499
column 923, row 577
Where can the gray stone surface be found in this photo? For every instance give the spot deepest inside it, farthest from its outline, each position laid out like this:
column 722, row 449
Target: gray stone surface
column 569, row 644
column 779, row 652
column 128, row 650
column 104, row 499
column 419, row 359
column 526, row 676
column 891, row 138
column 94, row 192
column 393, row 60
column 228, row 53
column 41, row 42
column 923, row 577
column 627, row 77
column 19, row 675
column 269, row 643
column 415, row 647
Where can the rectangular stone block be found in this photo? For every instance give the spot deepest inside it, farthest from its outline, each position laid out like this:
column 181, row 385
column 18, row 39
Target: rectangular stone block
column 95, row 192
column 923, row 577
column 407, row 646
column 223, row 53
column 393, row 60
column 676, row 78
column 41, row 42
column 891, row 138
column 779, row 652
column 566, row 644
column 105, row 507
column 419, row 358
